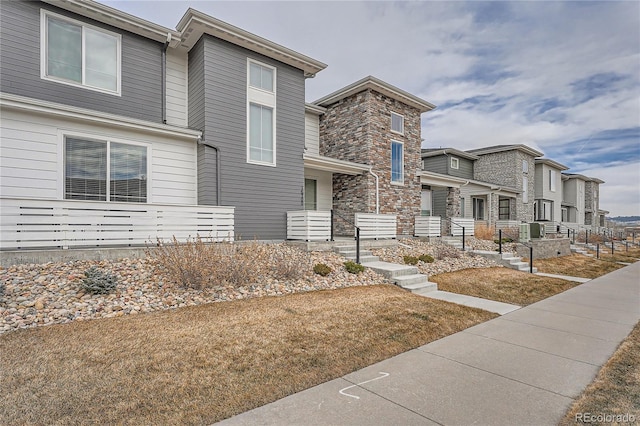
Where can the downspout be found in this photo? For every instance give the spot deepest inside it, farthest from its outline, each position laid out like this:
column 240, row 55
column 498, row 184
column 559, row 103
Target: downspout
column 164, row 79
column 377, row 190
column 201, row 141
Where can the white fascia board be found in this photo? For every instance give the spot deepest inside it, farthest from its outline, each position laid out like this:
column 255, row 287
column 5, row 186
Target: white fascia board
column 329, row 164
column 195, row 23
column 53, row 109
column 116, row 18
column 551, row 163
column 314, row 109
column 437, row 179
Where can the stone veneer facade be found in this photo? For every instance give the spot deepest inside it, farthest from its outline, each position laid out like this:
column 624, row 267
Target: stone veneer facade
column 358, row 128
column 505, row 168
column 591, row 205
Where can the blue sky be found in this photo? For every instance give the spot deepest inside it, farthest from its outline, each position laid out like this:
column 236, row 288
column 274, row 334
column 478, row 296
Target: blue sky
column 561, row 77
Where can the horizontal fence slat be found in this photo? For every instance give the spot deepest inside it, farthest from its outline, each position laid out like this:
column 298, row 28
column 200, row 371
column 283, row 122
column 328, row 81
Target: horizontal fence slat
column 29, row 223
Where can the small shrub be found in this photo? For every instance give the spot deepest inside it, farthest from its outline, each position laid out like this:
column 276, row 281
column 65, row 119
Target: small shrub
column 426, row 258
column 410, row 260
column 322, row 269
column 353, row 267
column 98, row 282
column 483, row 232
column 504, row 240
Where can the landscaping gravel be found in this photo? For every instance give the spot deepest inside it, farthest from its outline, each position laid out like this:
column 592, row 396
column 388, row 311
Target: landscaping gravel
column 446, row 258
column 51, row 293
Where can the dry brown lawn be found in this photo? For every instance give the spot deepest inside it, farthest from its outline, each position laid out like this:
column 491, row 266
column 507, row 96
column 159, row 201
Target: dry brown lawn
column 501, row 284
column 630, row 256
column 616, row 389
column 202, row 364
column 576, row 265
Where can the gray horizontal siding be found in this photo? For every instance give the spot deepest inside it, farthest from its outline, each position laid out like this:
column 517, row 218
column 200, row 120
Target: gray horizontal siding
column 261, row 194
column 141, row 75
column 439, row 199
column 442, row 164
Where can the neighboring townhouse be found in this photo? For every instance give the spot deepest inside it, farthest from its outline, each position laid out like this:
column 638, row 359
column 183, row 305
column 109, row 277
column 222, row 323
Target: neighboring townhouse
column 373, row 123
column 514, row 167
column 581, row 202
column 548, row 192
column 451, row 190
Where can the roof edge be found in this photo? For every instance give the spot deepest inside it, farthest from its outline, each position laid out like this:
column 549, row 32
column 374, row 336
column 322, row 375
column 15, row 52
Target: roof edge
column 371, row 82
column 195, row 23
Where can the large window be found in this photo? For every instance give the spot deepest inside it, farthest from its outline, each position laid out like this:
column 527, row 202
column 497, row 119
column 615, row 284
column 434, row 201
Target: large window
column 261, row 113
column 504, row 209
column 79, row 54
column 543, row 210
column 397, row 162
column 105, row 171
column 397, row 123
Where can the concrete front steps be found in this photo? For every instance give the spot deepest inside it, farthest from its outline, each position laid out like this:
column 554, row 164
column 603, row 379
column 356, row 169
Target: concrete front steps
column 508, row 260
column 580, row 249
column 404, row 276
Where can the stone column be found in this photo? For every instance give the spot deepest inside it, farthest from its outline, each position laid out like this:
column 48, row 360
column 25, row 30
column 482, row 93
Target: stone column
column 453, row 208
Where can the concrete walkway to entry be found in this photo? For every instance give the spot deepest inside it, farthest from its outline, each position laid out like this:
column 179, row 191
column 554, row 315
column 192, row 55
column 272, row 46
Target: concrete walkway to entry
column 525, row 367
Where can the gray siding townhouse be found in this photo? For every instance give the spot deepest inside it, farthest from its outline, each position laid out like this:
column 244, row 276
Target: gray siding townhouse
column 451, row 190
column 548, row 192
column 116, row 130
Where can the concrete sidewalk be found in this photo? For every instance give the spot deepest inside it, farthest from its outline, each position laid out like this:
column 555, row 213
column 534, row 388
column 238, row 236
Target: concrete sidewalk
column 523, row 368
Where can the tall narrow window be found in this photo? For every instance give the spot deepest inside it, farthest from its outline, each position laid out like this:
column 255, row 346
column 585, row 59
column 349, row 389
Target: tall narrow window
column 310, row 194
column 525, row 189
column 397, row 162
column 525, row 166
column 478, row 208
column 79, row 54
column 552, row 180
column 261, row 113
column 261, row 134
column 89, row 176
column 426, row 202
column 397, row 123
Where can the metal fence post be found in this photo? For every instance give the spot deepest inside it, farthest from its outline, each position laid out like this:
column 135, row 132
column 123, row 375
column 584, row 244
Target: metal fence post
column 332, row 230
column 531, row 259
column 500, row 241
column 598, row 251
column 463, row 238
column 357, row 245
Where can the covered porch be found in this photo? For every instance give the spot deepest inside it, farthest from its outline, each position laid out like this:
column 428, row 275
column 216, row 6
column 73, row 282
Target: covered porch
column 317, row 222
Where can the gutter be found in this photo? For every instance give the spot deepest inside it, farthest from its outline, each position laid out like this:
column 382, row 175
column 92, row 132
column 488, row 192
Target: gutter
column 164, row 78
column 201, row 141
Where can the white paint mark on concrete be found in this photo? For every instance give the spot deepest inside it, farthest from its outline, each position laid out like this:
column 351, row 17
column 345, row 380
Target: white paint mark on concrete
column 342, row 391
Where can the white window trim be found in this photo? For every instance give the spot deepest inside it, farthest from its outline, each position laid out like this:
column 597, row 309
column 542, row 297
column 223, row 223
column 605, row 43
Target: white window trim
column 394, row 182
column 391, row 123
column 525, row 166
column 457, row 163
column 43, row 54
column 62, row 134
column 552, row 180
column 262, row 97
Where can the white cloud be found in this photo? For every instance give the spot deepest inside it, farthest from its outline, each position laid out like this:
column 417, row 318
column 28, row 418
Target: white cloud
column 508, row 57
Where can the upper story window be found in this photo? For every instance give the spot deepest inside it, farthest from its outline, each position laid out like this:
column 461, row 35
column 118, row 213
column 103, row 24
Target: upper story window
column 552, row 180
column 261, row 113
column 261, row 77
column 525, row 166
column 525, row 189
column 455, row 163
column 397, row 162
column 79, row 54
column 397, row 123
column 104, row 171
